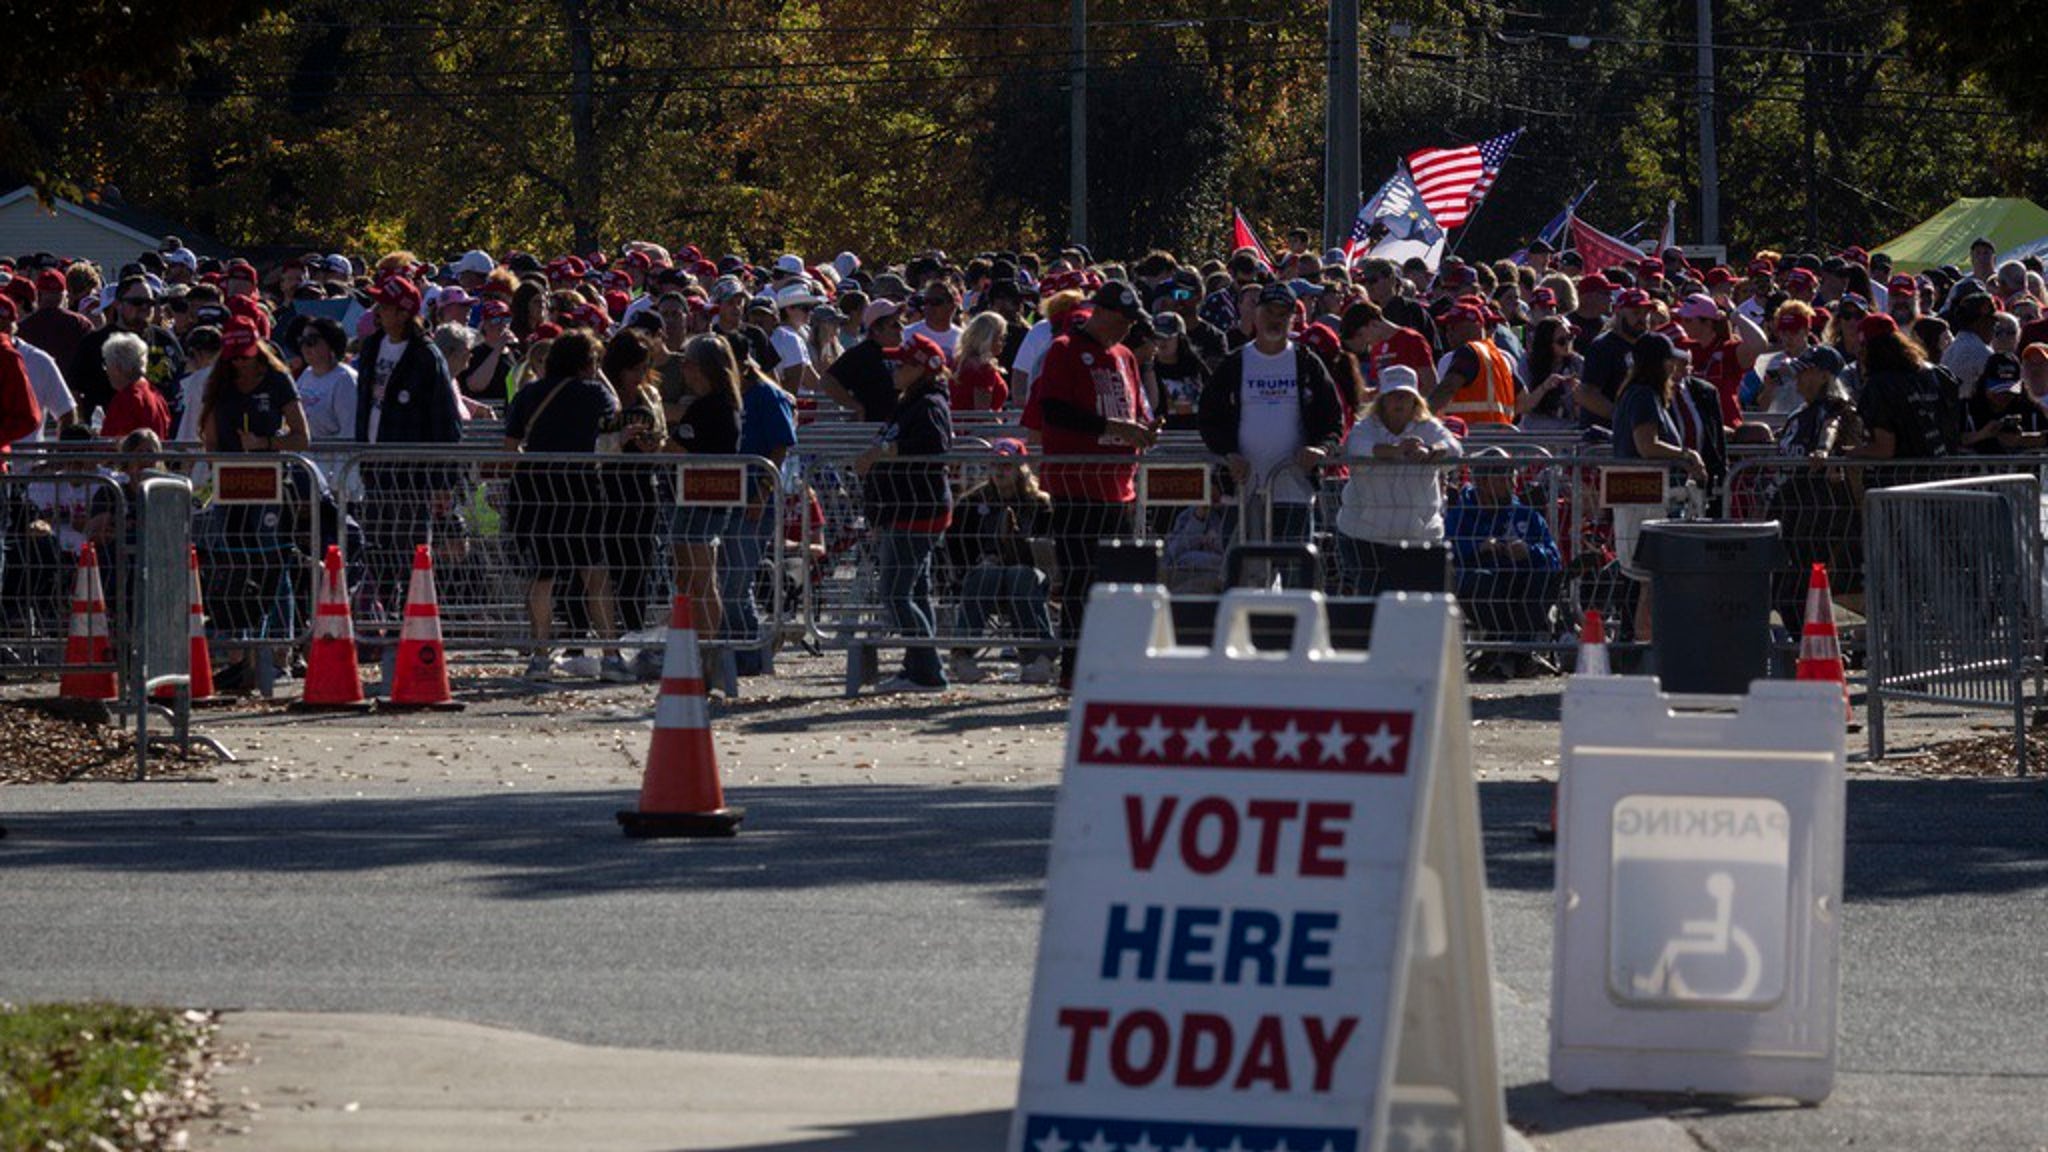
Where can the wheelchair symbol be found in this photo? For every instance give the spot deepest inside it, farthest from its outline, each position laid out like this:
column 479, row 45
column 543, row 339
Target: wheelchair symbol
column 1712, row 937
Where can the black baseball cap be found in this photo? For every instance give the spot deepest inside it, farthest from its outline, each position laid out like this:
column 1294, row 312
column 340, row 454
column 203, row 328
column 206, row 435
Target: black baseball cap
column 1119, row 297
column 1276, row 294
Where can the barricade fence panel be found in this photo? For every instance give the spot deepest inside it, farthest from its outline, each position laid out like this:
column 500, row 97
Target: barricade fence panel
column 1822, row 507
column 49, row 509
column 258, row 520
column 1954, row 596
column 1519, row 528
column 565, row 550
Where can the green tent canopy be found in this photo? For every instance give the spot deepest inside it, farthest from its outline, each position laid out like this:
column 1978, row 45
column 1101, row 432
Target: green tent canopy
column 1945, row 237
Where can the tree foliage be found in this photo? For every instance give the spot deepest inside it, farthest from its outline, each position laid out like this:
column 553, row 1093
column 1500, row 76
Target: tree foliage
column 825, row 124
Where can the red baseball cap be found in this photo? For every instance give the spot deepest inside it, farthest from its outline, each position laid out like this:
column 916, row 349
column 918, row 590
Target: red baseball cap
column 1903, row 283
column 918, row 349
column 240, row 268
column 1788, row 320
column 1632, row 298
column 1855, row 254
column 496, row 310
column 1762, row 268
column 1800, row 276
column 398, row 292
column 8, row 307
column 49, row 280
column 238, row 339
column 1595, row 283
column 1876, row 324
column 1543, row 297
column 1718, row 275
column 1323, row 339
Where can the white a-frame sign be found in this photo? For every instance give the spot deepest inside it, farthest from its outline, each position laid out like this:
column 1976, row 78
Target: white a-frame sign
column 1265, row 919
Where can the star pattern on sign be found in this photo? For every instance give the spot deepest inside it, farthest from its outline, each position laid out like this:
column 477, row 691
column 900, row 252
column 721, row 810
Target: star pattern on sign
column 1224, row 736
column 1189, row 1145
column 1287, row 742
column 1244, row 740
column 1334, row 742
column 1236, row 1145
column 1051, row 1142
column 1152, row 738
column 1109, row 736
column 1100, row 1143
column 1142, row 1144
column 1380, row 745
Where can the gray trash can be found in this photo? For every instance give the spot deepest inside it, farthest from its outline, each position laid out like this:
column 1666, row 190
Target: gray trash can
column 1710, row 601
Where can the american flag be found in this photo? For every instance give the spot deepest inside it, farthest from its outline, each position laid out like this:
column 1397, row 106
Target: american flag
column 1454, row 180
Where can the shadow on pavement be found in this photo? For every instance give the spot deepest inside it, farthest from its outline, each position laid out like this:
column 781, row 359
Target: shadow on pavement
column 970, row 1132
column 548, row 845
column 1906, row 839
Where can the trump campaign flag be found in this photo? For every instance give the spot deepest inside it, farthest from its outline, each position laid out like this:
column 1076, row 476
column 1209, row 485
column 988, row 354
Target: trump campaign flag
column 1242, row 236
column 1599, row 250
column 1407, row 227
column 1454, row 180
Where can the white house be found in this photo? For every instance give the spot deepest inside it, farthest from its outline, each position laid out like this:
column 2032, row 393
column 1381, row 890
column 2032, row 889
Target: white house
column 109, row 233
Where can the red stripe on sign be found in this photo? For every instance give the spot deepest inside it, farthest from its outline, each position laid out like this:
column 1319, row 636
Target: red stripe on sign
column 1251, row 739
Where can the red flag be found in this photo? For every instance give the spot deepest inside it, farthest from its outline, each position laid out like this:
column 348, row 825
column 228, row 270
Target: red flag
column 1599, row 250
column 1242, row 236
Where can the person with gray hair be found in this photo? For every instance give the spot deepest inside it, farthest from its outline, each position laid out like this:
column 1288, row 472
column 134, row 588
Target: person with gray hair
column 136, row 402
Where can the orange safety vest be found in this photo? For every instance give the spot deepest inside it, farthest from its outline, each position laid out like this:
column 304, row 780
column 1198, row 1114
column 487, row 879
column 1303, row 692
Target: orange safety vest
column 1489, row 397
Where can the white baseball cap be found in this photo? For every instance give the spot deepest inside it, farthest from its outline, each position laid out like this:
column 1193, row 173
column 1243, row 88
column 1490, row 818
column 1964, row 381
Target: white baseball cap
column 789, row 264
column 1399, row 378
column 475, row 260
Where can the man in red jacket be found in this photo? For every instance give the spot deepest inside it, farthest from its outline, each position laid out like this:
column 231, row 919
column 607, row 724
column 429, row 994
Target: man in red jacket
column 1086, row 401
column 19, row 412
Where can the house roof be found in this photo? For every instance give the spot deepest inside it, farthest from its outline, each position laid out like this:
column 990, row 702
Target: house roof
column 117, row 215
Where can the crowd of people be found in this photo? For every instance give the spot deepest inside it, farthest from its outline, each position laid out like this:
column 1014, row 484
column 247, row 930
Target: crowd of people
column 1311, row 378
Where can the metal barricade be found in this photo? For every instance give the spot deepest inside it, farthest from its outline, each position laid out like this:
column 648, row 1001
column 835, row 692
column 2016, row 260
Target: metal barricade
column 1954, row 597
column 49, row 509
column 612, row 537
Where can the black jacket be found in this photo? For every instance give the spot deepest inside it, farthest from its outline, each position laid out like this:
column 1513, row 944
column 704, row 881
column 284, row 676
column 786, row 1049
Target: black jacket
column 419, row 401
column 1322, row 413
column 902, row 491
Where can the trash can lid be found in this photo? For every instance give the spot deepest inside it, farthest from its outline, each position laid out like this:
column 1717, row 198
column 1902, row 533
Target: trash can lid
column 1711, row 546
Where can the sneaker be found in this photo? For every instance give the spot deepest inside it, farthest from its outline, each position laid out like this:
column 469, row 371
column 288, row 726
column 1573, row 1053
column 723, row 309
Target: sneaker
column 539, row 669
column 1037, row 670
column 647, row 664
column 581, row 665
column 966, row 671
column 614, row 670
column 895, row 684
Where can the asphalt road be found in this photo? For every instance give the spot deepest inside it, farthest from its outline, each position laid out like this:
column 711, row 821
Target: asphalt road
column 900, row 920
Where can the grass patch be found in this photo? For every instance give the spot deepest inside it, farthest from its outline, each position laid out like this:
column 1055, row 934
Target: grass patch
column 100, row 1076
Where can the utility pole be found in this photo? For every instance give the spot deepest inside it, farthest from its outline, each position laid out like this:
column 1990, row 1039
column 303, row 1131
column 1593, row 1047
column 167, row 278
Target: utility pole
column 1077, row 128
column 1811, row 116
column 1340, row 125
column 1710, row 163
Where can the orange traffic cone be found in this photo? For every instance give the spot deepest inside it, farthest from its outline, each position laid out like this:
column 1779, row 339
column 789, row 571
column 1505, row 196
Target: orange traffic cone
column 332, row 682
column 1592, row 662
column 680, row 794
column 90, row 642
column 202, row 656
column 1820, row 647
column 421, row 677
column 1592, row 647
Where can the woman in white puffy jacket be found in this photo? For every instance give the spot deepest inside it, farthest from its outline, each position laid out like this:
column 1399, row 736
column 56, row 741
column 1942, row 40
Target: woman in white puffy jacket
column 1395, row 496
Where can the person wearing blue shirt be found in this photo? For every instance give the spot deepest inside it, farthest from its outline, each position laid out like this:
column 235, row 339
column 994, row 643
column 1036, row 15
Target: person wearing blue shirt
column 1507, row 560
column 767, row 430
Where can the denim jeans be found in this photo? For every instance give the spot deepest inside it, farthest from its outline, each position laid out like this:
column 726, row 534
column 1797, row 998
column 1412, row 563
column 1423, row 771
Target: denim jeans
column 1015, row 590
column 739, row 570
column 906, row 586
